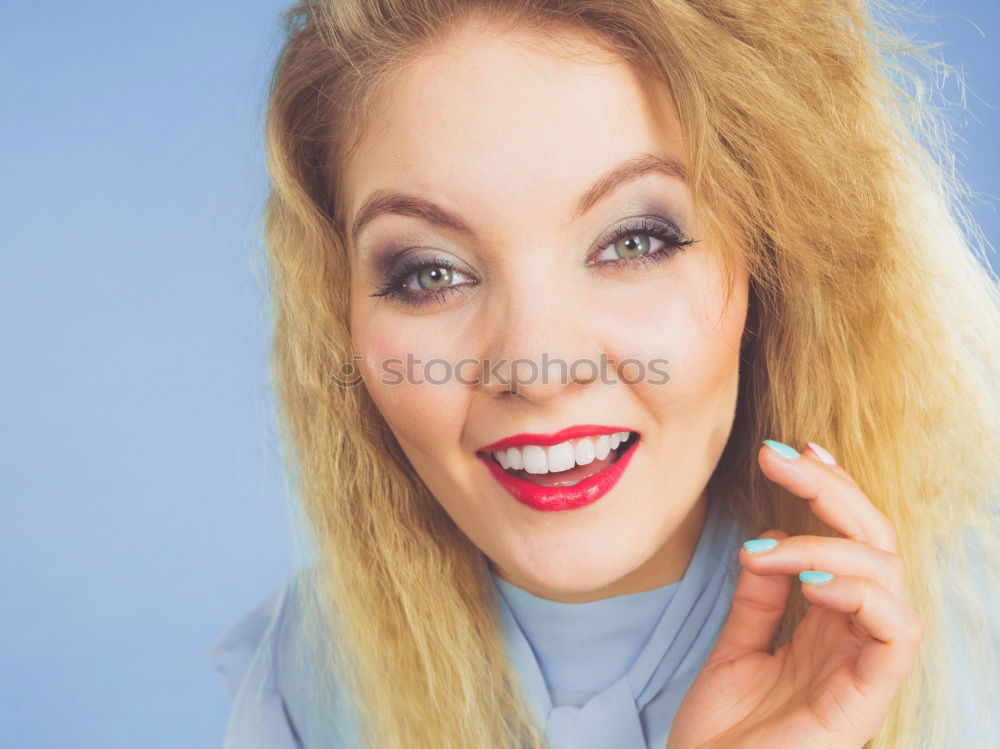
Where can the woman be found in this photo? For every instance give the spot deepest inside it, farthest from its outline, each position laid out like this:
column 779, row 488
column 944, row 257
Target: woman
column 589, row 261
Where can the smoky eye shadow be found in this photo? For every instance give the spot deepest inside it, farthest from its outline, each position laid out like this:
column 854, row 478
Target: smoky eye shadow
column 384, row 260
column 392, row 261
column 662, row 208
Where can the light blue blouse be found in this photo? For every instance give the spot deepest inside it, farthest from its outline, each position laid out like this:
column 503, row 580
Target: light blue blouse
column 607, row 674
column 565, row 637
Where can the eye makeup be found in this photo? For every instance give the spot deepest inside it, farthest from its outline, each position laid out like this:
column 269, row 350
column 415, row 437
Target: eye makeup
column 400, row 272
column 395, row 280
column 672, row 238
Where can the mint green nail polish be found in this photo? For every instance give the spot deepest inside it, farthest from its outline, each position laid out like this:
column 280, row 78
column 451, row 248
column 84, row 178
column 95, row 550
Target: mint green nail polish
column 782, row 449
column 757, row 545
column 815, row 577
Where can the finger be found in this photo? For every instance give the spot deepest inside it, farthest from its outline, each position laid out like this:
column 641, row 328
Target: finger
column 836, row 501
column 820, row 453
column 757, row 606
column 839, row 555
column 896, row 630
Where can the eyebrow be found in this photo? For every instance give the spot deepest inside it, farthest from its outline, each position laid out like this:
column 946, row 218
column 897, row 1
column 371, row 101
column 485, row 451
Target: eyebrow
column 392, row 202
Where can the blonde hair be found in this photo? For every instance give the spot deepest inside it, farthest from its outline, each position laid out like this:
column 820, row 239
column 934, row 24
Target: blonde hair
column 810, row 125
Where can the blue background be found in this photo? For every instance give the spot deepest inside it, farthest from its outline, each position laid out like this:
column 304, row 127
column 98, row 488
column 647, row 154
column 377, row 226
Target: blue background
column 143, row 502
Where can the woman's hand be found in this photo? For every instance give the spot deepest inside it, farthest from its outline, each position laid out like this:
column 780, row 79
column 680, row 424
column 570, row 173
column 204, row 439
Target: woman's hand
column 833, row 685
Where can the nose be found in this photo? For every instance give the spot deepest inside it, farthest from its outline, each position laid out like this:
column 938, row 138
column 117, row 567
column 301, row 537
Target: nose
column 541, row 345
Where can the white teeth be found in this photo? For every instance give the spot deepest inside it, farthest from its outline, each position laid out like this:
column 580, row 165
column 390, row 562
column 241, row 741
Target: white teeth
column 515, row 458
column 562, row 456
column 584, row 451
column 534, row 459
column 602, row 446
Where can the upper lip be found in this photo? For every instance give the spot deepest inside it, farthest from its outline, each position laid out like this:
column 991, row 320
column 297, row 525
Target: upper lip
column 573, row 432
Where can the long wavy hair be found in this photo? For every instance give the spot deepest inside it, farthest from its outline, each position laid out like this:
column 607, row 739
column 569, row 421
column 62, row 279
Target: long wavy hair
column 812, row 126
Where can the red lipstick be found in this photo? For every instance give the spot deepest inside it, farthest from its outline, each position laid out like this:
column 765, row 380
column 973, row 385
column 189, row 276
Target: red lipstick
column 557, row 498
column 526, row 438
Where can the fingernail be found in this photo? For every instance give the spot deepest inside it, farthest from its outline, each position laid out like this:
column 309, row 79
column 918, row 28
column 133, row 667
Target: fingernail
column 822, row 454
column 758, row 545
column 815, row 577
column 782, row 449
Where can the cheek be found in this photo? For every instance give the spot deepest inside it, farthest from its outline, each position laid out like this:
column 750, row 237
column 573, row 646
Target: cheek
column 685, row 323
column 408, row 369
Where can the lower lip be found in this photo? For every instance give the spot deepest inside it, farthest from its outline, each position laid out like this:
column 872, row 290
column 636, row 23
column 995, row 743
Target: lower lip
column 555, row 498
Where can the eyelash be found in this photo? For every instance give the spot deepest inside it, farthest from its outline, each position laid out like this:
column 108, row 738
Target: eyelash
column 673, row 241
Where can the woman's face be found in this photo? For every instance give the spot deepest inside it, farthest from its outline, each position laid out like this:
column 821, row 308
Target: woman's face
column 492, row 239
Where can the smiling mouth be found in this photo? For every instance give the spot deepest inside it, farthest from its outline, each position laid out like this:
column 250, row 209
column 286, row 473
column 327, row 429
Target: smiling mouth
column 566, row 463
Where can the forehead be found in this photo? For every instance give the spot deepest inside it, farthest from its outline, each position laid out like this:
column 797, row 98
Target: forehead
column 490, row 118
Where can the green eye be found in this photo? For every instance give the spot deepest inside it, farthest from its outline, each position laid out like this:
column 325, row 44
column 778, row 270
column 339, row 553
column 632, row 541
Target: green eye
column 632, row 245
column 419, row 281
column 434, row 278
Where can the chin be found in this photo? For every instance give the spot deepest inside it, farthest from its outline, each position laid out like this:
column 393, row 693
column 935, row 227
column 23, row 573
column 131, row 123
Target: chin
column 563, row 567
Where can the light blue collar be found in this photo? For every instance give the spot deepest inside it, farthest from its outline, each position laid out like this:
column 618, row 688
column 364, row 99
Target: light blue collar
column 586, row 647
column 636, row 709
